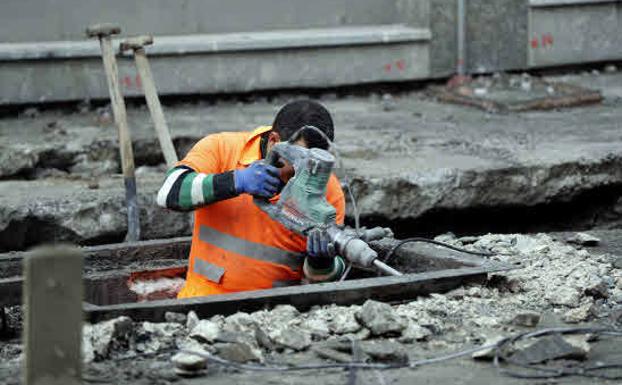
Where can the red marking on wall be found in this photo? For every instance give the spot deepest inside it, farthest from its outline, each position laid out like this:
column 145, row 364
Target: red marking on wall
column 132, row 82
column 545, row 40
column 398, row 65
column 127, row 81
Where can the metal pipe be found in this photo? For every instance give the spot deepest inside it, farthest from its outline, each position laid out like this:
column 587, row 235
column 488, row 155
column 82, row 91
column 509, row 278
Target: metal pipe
column 388, row 270
column 461, row 53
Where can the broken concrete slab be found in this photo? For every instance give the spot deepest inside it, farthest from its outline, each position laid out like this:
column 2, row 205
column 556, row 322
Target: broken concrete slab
column 238, row 352
column 527, row 319
column 384, row 351
column 205, row 331
column 463, row 160
column 583, row 239
column 107, row 336
column 189, row 362
column 566, row 296
column 380, row 318
column 414, row 332
column 179, row 318
column 151, row 337
column 192, row 320
column 293, row 338
column 549, row 348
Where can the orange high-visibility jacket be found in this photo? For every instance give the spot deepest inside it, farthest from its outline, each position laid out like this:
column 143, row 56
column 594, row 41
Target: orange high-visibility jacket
column 235, row 245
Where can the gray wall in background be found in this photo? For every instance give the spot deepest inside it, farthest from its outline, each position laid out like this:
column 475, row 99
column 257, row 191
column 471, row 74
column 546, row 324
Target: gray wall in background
column 496, row 35
column 45, row 20
column 499, row 36
column 444, row 43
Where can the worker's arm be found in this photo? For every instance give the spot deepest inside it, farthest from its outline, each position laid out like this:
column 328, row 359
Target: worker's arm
column 201, row 178
column 185, row 189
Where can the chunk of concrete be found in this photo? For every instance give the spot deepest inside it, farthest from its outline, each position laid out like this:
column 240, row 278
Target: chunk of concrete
column 151, row 337
column 414, row 332
column 331, row 354
column 107, row 336
column 549, row 348
column 566, row 296
column 192, row 320
column 344, row 322
column 189, row 362
column 262, row 338
column 317, row 327
column 173, row 317
column 526, row 318
column 385, row 351
column 583, row 239
column 239, row 322
column 598, row 289
column 238, row 352
column 293, row 338
column 578, row 314
column 205, row 331
column 380, row 318
column 489, row 353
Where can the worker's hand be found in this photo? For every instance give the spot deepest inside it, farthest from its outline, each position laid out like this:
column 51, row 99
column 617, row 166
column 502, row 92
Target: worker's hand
column 319, row 245
column 257, row 179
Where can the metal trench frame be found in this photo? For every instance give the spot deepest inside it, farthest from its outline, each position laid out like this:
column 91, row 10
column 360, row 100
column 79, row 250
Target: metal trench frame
column 454, row 270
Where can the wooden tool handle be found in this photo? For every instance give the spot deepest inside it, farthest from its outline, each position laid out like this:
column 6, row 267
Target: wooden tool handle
column 151, row 94
column 125, row 142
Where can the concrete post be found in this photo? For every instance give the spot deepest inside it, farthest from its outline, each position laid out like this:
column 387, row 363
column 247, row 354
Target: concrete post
column 53, row 316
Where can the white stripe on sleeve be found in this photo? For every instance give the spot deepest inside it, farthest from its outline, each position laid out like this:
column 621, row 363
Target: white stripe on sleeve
column 166, row 187
column 197, row 190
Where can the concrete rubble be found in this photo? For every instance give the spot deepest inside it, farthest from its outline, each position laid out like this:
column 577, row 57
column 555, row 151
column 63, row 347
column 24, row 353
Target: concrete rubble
column 472, row 315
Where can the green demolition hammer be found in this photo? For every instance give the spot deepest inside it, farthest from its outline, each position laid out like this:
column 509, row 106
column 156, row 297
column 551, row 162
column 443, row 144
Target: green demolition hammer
column 302, row 205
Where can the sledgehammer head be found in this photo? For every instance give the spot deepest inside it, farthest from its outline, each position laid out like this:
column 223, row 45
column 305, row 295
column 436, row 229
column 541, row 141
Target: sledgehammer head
column 137, row 42
column 103, row 30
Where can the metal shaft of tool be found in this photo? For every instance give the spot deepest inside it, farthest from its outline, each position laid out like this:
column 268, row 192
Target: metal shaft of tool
column 153, row 102
column 388, row 270
column 125, row 143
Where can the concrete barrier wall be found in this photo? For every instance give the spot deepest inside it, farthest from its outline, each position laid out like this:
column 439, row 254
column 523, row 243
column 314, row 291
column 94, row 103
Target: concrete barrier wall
column 48, row 20
column 44, row 55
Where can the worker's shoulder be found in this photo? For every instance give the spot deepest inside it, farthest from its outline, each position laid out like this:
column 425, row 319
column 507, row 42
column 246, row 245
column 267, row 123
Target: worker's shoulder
column 223, row 138
column 334, row 186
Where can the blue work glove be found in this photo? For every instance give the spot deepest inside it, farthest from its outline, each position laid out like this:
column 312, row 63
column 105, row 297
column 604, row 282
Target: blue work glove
column 320, row 249
column 257, row 179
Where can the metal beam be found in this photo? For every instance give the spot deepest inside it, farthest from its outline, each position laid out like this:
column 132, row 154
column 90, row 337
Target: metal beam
column 406, row 287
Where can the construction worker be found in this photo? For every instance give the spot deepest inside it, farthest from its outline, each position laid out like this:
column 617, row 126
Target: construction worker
column 235, row 245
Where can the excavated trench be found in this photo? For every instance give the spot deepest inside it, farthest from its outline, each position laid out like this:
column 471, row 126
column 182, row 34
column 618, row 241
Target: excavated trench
column 599, row 208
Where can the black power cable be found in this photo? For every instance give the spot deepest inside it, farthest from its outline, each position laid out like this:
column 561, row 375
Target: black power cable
column 551, row 372
column 387, row 258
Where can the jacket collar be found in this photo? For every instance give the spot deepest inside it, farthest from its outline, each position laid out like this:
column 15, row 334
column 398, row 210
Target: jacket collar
column 251, row 151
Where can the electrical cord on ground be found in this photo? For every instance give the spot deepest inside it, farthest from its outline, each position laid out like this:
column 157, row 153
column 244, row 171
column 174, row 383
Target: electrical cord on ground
column 390, row 254
column 584, row 371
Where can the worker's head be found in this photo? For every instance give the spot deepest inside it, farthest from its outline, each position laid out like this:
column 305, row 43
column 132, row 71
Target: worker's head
column 300, row 113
